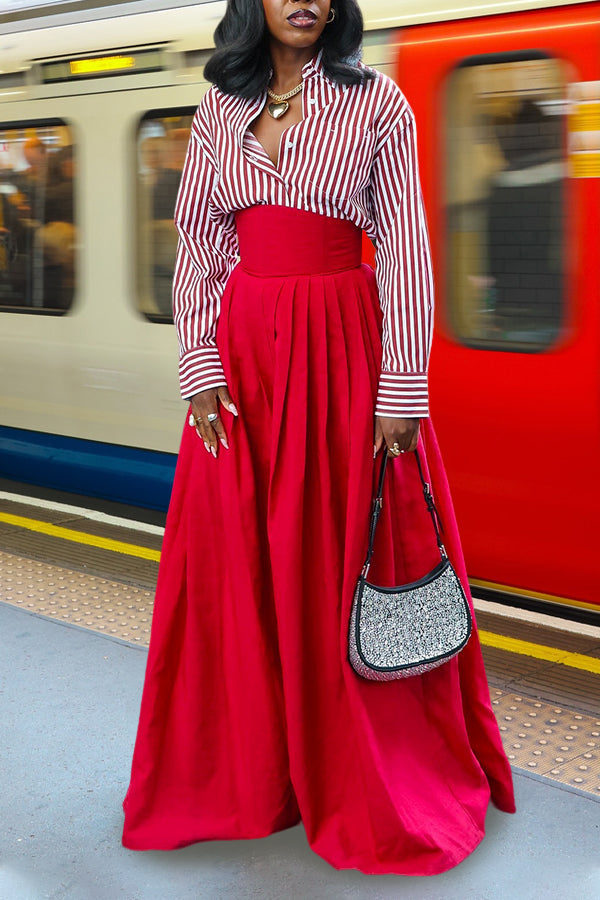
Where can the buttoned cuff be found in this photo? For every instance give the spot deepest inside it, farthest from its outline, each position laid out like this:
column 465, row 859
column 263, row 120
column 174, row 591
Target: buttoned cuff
column 199, row 370
column 403, row 395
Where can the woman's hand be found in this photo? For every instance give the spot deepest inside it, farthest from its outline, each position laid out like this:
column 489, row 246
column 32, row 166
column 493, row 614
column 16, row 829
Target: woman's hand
column 401, row 432
column 206, row 404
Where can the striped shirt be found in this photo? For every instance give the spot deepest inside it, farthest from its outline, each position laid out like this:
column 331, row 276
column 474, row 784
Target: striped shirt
column 353, row 156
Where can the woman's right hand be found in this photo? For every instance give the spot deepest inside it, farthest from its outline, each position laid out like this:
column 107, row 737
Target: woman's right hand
column 205, row 404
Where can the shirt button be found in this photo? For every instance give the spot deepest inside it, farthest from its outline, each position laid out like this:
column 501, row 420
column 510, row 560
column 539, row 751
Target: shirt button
column 312, row 100
column 290, row 144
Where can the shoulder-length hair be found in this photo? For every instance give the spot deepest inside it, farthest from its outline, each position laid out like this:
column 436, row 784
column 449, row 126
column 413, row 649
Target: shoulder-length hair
column 241, row 63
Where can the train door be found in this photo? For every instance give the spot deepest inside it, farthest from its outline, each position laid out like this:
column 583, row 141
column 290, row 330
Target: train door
column 508, row 115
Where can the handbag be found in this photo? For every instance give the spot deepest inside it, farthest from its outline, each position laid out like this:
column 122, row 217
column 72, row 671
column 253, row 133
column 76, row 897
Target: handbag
column 399, row 631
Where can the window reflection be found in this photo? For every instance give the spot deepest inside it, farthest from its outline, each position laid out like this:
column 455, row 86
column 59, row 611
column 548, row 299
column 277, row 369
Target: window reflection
column 162, row 142
column 504, row 202
column 37, row 227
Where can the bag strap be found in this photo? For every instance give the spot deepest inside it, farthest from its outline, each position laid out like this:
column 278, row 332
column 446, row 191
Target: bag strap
column 378, row 506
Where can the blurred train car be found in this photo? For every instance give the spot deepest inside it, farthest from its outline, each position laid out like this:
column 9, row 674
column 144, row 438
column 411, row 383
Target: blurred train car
column 95, row 109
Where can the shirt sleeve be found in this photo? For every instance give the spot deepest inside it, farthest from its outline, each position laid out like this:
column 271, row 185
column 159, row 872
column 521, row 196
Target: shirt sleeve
column 206, row 254
column 403, row 269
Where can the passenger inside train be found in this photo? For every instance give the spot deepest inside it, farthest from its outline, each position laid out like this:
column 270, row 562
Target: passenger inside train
column 37, row 190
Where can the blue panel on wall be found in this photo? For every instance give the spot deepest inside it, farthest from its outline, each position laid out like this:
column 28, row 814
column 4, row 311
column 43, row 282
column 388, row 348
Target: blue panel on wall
column 126, row 474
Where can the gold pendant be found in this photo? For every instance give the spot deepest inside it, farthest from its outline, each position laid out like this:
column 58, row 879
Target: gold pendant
column 277, row 110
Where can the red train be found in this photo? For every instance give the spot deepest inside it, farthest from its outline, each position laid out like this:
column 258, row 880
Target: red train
column 508, row 109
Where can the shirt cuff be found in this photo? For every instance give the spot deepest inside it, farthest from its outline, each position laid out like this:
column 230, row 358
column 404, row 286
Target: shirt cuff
column 403, row 395
column 199, row 370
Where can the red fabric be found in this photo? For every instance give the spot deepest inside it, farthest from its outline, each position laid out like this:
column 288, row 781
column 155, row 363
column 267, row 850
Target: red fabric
column 252, row 717
column 295, row 242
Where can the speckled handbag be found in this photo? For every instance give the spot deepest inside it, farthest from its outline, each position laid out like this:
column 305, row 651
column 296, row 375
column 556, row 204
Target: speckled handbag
column 407, row 630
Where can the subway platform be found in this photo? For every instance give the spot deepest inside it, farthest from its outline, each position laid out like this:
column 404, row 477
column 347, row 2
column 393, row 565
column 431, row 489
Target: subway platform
column 75, row 609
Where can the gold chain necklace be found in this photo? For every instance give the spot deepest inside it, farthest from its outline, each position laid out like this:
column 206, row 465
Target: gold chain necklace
column 280, row 105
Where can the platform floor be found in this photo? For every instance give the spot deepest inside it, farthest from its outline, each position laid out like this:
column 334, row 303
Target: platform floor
column 69, row 706
column 99, row 573
column 548, row 713
column 76, row 597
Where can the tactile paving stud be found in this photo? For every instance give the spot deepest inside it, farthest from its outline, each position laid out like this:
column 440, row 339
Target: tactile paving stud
column 549, row 740
column 86, row 600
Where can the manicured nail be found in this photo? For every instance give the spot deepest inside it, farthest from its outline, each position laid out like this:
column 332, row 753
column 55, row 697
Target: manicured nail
column 213, row 450
column 374, row 450
column 225, row 444
column 206, row 446
column 233, row 409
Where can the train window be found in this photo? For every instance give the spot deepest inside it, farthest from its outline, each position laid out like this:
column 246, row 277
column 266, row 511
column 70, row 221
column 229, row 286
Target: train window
column 38, row 234
column 162, row 140
column 505, row 223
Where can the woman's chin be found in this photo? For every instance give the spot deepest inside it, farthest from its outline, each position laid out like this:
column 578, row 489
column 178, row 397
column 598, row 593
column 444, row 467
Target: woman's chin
column 299, row 38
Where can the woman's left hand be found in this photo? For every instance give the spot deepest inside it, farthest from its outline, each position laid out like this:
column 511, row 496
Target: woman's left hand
column 402, row 432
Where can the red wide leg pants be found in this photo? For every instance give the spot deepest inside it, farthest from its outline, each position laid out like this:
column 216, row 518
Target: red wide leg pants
column 252, row 718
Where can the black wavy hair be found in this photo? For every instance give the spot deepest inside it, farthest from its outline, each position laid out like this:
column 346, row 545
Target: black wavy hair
column 241, row 63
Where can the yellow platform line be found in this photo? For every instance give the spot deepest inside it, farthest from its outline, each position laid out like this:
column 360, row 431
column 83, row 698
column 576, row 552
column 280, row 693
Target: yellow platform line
column 488, row 638
column 80, row 537
column 539, row 651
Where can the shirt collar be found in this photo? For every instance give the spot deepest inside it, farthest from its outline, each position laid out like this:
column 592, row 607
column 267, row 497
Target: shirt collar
column 314, row 66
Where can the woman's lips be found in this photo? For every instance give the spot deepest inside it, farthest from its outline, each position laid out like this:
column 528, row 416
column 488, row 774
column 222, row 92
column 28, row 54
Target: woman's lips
column 302, row 18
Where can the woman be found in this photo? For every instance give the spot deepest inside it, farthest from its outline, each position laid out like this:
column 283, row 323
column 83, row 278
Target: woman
column 300, row 366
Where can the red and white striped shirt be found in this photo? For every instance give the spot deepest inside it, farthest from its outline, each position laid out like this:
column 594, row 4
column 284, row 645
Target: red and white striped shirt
column 353, row 156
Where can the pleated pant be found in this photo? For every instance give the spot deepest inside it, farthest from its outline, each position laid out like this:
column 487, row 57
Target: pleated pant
column 252, row 718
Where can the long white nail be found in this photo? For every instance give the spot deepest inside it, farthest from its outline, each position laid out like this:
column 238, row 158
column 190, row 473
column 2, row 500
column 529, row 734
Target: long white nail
column 233, row 409
column 206, row 446
column 374, row 451
column 225, row 444
column 213, row 450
